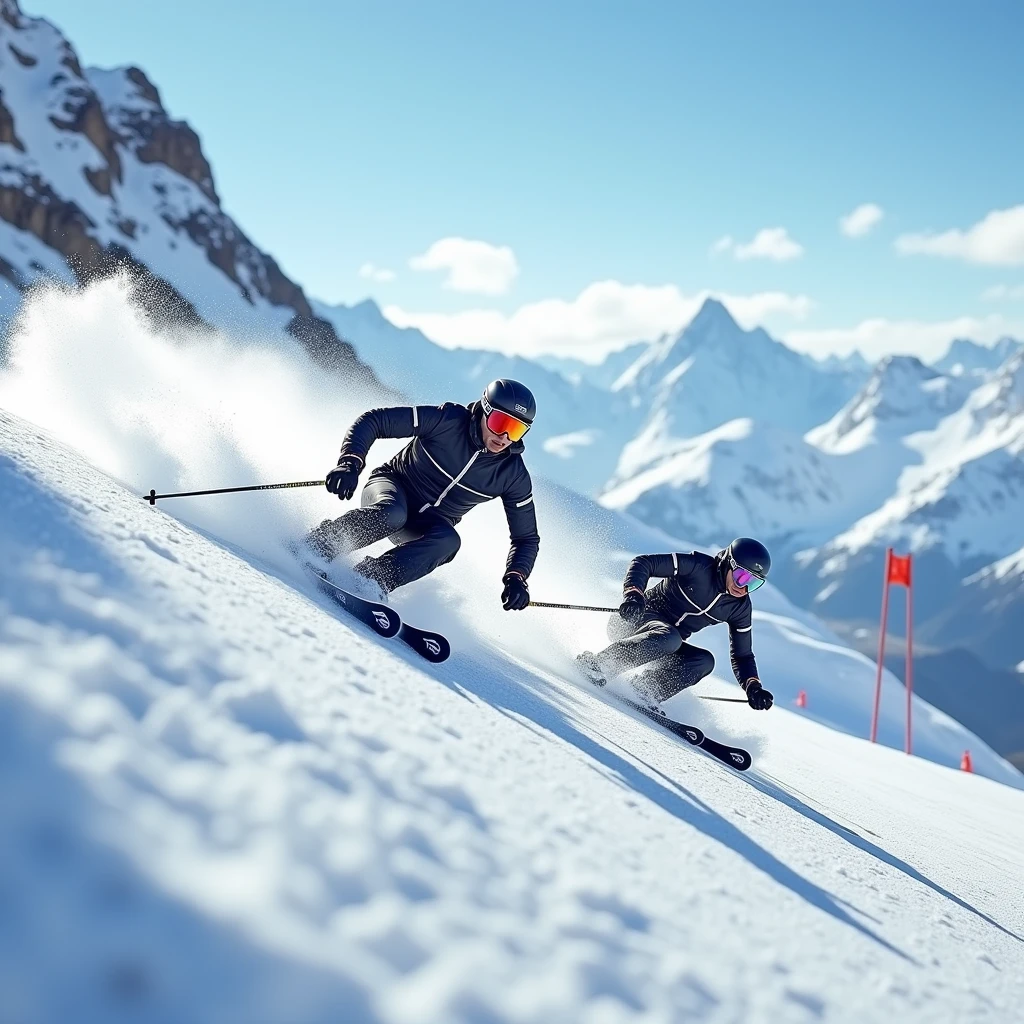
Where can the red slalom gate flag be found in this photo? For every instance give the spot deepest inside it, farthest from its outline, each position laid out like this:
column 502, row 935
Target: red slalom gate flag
column 899, row 570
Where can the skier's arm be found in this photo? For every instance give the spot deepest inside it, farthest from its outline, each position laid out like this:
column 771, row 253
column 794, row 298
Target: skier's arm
column 643, row 567
column 741, row 647
column 522, row 526
column 398, row 421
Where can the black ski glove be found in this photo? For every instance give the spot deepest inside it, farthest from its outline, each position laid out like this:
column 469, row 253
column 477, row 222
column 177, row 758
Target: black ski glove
column 344, row 478
column 758, row 697
column 633, row 606
column 516, row 595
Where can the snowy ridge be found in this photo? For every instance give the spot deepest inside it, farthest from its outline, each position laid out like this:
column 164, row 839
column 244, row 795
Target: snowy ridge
column 959, row 499
column 968, row 358
column 722, row 477
column 246, row 808
column 96, row 177
column 902, row 397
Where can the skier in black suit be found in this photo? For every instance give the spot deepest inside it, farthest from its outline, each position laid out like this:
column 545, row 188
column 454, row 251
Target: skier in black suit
column 653, row 626
column 460, row 456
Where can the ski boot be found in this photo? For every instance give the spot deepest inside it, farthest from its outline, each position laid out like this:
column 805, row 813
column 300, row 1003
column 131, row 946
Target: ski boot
column 591, row 668
column 643, row 695
column 371, row 584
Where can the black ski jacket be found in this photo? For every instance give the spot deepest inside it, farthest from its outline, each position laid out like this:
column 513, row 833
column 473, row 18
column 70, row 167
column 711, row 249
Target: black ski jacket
column 448, row 468
column 692, row 595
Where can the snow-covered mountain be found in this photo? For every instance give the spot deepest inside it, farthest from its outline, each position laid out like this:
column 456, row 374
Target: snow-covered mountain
column 713, row 372
column 746, row 478
column 968, row 358
column 222, row 800
column 580, row 428
column 95, row 177
column 602, row 374
column 902, row 397
column 959, row 507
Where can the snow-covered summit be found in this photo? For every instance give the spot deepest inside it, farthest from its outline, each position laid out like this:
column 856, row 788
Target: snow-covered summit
column 742, row 478
column 714, row 371
column 902, row 396
column 967, row 358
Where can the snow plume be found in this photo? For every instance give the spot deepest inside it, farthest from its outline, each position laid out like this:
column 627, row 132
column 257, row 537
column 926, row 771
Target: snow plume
column 187, row 412
column 203, row 411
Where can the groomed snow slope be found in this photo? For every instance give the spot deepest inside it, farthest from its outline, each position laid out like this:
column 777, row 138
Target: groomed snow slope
column 222, row 802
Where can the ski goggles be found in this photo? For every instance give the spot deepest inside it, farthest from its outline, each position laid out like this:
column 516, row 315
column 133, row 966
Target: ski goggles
column 501, row 423
column 744, row 577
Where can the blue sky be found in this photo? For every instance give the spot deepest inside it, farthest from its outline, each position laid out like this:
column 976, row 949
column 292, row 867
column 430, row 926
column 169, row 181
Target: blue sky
column 610, row 142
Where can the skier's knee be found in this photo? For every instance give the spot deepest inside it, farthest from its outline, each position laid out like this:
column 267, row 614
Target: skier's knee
column 448, row 544
column 392, row 514
column 702, row 664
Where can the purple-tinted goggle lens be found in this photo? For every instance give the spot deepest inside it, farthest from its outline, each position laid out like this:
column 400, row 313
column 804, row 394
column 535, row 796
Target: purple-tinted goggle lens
column 744, row 578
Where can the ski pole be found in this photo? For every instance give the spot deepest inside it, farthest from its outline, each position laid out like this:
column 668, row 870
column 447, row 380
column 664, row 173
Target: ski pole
column 572, row 607
column 728, row 700
column 153, row 497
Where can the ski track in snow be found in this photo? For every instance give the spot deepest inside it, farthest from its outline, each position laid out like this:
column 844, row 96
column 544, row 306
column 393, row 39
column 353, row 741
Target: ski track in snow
column 221, row 802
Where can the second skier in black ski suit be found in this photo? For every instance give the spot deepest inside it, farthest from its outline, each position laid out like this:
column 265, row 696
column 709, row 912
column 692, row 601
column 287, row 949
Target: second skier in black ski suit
column 460, row 456
column 653, row 626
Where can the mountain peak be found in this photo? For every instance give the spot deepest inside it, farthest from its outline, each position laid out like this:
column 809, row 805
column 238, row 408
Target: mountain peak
column 902, row 367
column 969, row 357
column 713, row 313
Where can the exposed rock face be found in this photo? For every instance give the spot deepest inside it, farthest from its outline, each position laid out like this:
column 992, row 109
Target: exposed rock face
column 145, row 203
column 155, row 138
column 8, row 135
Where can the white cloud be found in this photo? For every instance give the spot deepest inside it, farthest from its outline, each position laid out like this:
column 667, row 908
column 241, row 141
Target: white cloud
column 371, row 272
column 860, row 221
column 767, row 244
column 998, row 239
column 473, row 266
column 1003, row 291
column 605, row 316
column 880, row 337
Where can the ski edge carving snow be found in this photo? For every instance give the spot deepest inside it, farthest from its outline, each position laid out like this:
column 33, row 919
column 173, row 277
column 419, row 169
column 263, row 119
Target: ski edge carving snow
column 384, row 621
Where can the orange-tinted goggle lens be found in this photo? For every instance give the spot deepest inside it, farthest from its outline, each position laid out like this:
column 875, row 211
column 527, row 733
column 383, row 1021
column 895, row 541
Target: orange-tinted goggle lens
column 501, row 423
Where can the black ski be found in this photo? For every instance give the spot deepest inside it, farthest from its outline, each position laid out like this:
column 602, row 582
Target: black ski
column 690, row 733
column 734, row 757
column 384, row 621
column 432, row 646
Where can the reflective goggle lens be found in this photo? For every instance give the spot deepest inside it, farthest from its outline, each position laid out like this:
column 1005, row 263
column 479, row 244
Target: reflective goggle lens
column 744, row 578
column 501, row 423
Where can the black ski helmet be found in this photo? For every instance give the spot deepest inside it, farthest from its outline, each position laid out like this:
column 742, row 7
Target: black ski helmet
column 749, row 554
column 512, row 397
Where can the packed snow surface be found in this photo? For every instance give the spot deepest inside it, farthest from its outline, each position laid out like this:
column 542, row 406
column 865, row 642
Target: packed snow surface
column 222, row 800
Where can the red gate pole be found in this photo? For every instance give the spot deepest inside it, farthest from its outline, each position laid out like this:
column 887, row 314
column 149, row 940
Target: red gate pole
column 881, row 645
column 910, row 645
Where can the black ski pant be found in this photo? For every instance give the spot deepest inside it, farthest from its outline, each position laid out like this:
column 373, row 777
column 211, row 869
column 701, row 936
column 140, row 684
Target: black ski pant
column 674, row 664
column 424, row 540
